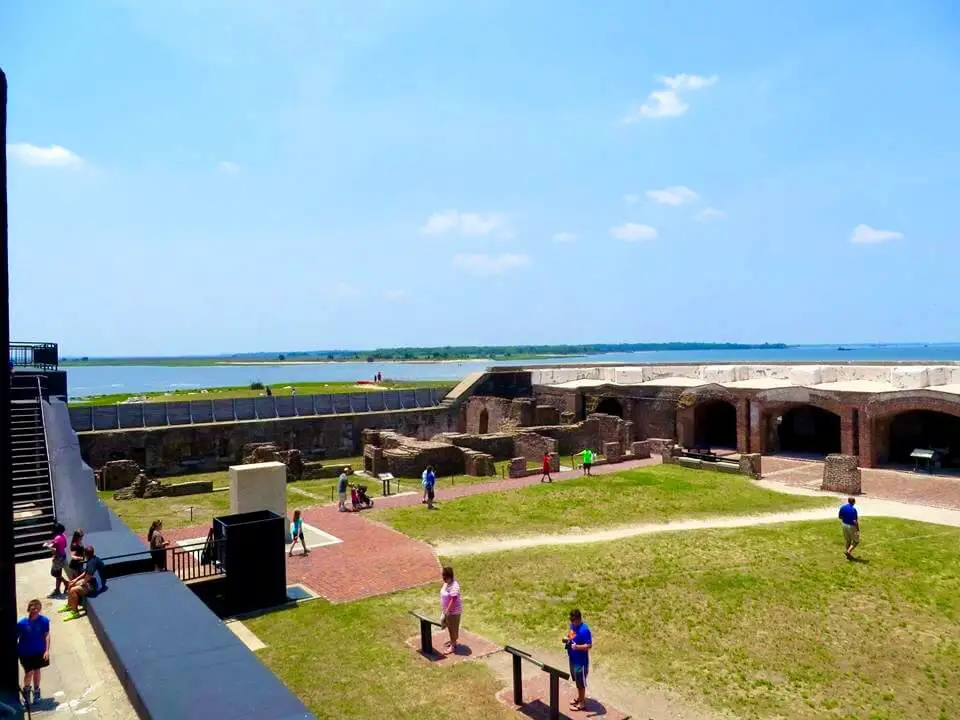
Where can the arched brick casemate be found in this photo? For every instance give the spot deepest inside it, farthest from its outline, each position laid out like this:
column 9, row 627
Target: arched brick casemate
column 798, row 406
column 610, row 406
column 935, row 415
column 713, row 416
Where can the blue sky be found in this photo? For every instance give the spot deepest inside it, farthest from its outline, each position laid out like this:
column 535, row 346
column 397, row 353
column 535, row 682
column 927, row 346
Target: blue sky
column 222, row 175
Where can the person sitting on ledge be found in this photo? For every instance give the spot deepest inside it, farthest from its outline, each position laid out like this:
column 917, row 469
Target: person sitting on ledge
column 86, row 584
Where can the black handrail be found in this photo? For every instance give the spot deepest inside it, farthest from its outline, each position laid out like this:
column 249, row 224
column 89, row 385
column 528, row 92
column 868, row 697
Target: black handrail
column 44, row 356
column 556, row 674
column 196, row 561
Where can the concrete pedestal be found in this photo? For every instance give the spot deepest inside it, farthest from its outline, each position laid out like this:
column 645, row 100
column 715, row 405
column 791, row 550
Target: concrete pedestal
column 260, row 486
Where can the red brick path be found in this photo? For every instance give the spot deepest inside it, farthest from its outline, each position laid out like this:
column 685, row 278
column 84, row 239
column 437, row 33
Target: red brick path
column 910, row 487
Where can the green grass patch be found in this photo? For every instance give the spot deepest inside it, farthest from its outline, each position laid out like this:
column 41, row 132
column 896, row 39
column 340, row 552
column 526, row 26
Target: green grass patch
column 278, row 389
column 350, row 661
column 653, row 494
column 765, row 622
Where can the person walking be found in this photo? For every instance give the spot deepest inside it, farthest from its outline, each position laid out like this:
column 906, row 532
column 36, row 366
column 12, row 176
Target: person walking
column 296, row 532
column 578, row 643
column 158, row 545
column 451, row 608
column 545, row 477
column 430, row 481
column 850, row 520
column 587, row 454
column 342, row 489
column 33, row 649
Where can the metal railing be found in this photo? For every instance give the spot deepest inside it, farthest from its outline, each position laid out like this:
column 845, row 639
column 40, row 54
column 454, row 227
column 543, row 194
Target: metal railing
column 43, row 356
column 197, row 561
column 556, row 675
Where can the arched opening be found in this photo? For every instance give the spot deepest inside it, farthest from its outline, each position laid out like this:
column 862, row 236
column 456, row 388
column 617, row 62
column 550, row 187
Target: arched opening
column 925, row 430
column 484, row 424
column 808, row 430
column 610, row 406
column 715, row 425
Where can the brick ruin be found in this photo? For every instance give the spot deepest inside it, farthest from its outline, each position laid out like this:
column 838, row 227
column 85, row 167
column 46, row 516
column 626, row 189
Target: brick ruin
column 388, row 451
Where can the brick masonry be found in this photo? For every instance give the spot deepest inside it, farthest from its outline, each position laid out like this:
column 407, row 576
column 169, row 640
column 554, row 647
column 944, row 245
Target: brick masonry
column 841, row 474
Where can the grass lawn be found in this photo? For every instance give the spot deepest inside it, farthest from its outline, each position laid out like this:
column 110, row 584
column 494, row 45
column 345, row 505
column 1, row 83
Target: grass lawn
column 350, row 661
column 765, row 622
column 286, row 388
column 652, row 494
column 189, row 510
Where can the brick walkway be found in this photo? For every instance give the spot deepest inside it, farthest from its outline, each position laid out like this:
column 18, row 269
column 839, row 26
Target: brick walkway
column 904, row 486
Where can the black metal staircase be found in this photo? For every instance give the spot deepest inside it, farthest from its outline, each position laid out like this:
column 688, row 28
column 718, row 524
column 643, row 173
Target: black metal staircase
column 33, row 505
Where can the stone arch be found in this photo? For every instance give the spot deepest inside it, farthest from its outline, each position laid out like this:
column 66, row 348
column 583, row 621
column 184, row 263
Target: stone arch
column 610, row 406
column 804, row 429
column 715, row 424
column 898, row 423
column 483, row 424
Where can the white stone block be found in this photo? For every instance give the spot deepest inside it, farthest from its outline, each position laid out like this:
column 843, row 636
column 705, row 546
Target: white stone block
column 937, row 375
column 909, row 378
column 806, row 375
column 718, row 373
column 260, row 486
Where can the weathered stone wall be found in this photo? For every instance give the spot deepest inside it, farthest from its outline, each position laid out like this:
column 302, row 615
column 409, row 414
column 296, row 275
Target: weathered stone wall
column 841, row 474
column 502, row 414
column 390, row 452
column 117, row 475
column 499, row 445
column 534, row 446
column 750, row 464
column 546, row 415
column 612, row 451
column 183, row 448
column 562, row 399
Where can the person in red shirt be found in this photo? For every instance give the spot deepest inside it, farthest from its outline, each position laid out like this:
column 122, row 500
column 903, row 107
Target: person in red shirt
column 546, row 469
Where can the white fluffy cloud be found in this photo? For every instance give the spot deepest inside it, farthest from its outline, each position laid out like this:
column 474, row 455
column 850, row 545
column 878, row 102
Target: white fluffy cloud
column 53, row 156
column 669, row 101
column 633, row 232
column 676, row 195
column 469, row 224
column 226, row 166
column 564, row 237
column 866, row 235
column 486, row 265
column 710, row 213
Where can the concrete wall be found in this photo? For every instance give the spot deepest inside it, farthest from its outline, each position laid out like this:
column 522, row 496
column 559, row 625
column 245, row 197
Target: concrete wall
column 173, row 450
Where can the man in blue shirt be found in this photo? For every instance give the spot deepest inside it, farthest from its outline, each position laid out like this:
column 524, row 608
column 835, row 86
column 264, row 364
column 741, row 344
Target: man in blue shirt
column 578, row 643
column 33, row 648
column 851, row 526
column 429, row 481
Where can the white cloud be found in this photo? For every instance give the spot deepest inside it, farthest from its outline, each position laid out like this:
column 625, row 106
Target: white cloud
column 866, row 235
column 465, row 223
column 396, row 294
column 670, row 102
column 226, row 166
column 633, row 232
column 564, row 237
column 676, row 195
column 710, row 213
column 53, row 156
column 487, row 265
column 631, row 199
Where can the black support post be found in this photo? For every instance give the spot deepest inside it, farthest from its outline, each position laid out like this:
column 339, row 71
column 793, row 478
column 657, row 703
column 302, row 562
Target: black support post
column 517, row 680
column 8, row 581
column 426, row 637
column 554, row 696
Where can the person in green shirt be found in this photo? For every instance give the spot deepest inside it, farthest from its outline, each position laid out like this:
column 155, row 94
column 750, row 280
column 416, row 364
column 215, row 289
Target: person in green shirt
column 587, row 454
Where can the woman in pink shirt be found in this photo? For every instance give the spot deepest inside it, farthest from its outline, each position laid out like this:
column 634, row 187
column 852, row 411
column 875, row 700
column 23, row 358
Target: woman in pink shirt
column 451, row 608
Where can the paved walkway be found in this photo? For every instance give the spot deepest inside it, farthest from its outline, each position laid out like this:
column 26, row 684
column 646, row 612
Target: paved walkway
column 80, row 682
column 903, row 486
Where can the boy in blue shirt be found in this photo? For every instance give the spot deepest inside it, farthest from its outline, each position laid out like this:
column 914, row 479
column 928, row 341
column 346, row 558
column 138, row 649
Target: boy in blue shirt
column 33, row 648
column 578, row 643
column 851, row 526
column 429, row 481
